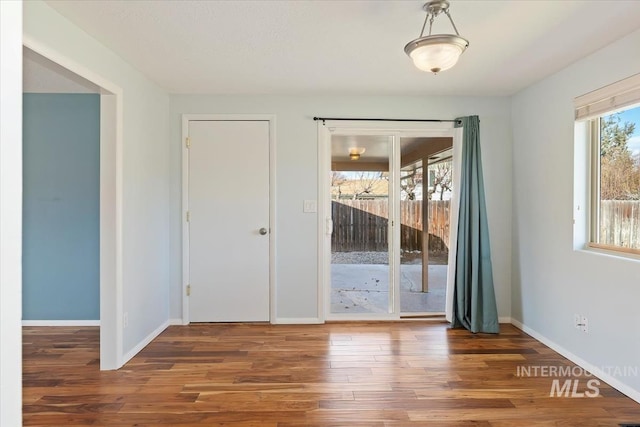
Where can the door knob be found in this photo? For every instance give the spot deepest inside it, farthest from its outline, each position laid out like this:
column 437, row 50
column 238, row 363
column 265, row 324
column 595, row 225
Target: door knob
column 263, row 231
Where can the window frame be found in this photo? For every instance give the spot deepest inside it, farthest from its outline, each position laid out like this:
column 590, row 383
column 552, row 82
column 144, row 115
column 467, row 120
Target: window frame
column 594, row 189
column 589, row 109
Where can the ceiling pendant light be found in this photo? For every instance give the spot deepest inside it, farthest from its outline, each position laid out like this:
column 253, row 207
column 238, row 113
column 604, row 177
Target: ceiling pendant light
column 437, row 52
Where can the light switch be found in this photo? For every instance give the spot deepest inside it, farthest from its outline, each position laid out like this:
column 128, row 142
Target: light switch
column 310, row 206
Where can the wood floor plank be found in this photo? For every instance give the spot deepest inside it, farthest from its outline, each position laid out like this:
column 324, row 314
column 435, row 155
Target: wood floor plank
column 377, row 374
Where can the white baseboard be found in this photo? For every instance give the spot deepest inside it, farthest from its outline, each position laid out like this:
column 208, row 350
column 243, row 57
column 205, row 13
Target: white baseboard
column 298, row 321
column 60, row 323
column 142, row 344
column 318, row 321
column 173, row 322
column 599, row 373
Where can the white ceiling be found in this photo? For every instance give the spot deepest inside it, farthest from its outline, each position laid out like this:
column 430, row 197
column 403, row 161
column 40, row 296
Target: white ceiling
column 346, row 47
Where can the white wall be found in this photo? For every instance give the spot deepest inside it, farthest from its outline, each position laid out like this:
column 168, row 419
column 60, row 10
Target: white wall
column 297, row 160
column 10, row 213
column 145, row 209
column 551, row 280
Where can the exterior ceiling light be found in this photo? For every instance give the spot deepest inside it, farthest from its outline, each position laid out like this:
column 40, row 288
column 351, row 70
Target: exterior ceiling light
column 356, row 152
column 436, row 52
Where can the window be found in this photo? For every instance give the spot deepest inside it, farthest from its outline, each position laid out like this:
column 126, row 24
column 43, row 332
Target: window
column 613, row 118
column 615, row 187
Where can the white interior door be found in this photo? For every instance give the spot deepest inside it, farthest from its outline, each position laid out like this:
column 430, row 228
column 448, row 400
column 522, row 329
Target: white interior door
column 229, row 221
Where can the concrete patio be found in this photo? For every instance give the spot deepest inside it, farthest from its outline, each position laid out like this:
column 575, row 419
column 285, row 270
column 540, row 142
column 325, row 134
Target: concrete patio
column 364, row 288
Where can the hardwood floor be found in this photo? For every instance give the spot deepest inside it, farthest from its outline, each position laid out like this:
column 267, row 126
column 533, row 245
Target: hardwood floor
column 344, row 374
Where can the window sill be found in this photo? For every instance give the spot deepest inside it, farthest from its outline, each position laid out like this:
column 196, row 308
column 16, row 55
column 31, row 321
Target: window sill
column 603, row 250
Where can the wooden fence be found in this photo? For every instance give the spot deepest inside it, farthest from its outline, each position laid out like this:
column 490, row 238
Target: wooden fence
column 361, row 225
column 620, row 223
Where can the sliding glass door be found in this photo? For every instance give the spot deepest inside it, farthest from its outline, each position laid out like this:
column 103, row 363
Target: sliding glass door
column 426, row 188
column 384, row 226
column 361, row 209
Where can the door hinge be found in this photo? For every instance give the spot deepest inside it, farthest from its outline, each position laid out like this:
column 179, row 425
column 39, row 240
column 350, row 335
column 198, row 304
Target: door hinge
column 188, row 216
column 188, row 290
column 188, row 142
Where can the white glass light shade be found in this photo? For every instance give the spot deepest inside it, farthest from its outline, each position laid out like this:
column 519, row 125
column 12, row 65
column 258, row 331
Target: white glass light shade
column 355, row 152
column 436, row 53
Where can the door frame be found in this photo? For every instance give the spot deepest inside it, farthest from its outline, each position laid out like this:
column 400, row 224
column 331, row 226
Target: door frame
column 111, row 194
column 326, row 129
column 271, row 118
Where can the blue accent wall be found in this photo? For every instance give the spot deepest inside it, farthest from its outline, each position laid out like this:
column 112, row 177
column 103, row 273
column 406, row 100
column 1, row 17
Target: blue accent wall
column 61, row 207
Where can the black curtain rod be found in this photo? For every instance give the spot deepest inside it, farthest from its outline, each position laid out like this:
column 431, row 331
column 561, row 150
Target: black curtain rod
column 385, row 120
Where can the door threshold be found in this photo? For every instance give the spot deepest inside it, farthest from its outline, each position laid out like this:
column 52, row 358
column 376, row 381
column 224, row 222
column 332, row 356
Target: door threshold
column 431, row 317
column 422, row 316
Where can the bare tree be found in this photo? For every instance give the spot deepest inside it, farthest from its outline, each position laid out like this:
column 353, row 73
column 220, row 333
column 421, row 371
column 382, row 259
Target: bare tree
column 619, row 168
column 337, row 180
column 619, row 178
column 366, row 182
column 409, row 183
column 442, row 178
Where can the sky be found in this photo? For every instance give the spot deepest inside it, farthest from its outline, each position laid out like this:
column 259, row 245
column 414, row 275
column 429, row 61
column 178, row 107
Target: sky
column 633, row 115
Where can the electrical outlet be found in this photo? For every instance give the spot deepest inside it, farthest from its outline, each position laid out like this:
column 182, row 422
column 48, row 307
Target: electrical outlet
column 584, row 324
column 125, row 320
column 576, row 321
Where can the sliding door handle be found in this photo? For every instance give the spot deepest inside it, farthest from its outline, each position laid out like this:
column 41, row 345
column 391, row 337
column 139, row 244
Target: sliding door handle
column 329, row 227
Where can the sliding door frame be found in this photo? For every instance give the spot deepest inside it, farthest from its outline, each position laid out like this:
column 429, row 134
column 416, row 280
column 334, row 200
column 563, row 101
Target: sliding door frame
column 329, row 128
